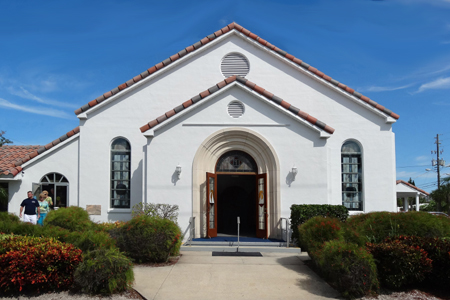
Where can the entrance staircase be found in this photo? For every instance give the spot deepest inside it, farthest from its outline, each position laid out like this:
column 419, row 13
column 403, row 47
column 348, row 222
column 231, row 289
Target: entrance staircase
column 227, row 243
column 246, row 244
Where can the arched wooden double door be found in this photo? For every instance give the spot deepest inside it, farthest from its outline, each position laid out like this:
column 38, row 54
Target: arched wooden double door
column 236, row 190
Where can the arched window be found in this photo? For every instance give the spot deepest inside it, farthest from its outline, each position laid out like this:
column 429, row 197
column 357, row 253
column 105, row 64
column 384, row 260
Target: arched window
column 236, row 161
column 57, row 187
column 352, row 177
column 120, row 173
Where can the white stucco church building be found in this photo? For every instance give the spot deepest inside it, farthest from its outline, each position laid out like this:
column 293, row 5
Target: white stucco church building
column 230, row 126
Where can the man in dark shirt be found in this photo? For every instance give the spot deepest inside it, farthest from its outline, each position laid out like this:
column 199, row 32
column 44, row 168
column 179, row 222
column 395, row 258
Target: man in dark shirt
column 31, row 206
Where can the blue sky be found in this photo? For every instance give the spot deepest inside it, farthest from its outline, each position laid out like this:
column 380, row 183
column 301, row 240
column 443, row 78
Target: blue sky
column 58, row 55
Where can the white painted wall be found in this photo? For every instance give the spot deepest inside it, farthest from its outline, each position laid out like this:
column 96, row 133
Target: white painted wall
column 62, row 158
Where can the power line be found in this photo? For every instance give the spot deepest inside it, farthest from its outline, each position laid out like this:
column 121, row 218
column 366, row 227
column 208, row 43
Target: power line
column 413, row 166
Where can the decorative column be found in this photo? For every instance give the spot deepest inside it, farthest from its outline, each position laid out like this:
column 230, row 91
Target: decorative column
column 406, row 203
column 417, row 202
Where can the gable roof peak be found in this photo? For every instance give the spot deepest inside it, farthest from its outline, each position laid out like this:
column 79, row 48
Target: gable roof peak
column 233, row 26
column 247, row 83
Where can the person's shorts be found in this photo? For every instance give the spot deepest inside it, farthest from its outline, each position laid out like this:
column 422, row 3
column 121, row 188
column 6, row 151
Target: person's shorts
column 30, row 219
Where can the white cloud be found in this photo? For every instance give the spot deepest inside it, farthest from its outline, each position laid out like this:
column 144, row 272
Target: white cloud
column 440, row 83
column 422, row 158
column 23, row 93
column 34, row 110
column 385, row 88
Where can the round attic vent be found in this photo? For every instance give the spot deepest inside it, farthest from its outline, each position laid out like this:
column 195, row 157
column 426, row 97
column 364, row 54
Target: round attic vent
column 234, row 64
column 236, row 109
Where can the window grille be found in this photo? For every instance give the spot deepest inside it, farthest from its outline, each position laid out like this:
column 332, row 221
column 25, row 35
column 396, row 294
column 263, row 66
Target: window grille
column 120, row 173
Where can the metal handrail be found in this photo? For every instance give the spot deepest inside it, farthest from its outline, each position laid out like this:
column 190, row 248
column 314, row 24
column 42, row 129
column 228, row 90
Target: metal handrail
column 288, row 230
column 191, row 228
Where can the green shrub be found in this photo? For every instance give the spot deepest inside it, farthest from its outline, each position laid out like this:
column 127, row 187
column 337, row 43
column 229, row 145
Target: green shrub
column 377, row 226
column 399, row 264
column 72, row 218
column 164, row 211
column 302, row 213
column 148, row 239
column 7, row 217
column 438, row 251
column 104, row 271
column 108, row 226
column 349, row 268
column 85, row 240
column 36, row 264
column 20, row 228
column 317, row 231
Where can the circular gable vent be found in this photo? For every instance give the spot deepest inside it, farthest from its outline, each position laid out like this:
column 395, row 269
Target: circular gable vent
column 236, row 109
column 234, row 64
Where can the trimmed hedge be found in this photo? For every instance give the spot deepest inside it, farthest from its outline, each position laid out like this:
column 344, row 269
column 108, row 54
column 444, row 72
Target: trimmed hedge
column 148, row 239
column 318, row 230
column 349, row 268
column 303, row 212
column 377, row 226
column 7, row 217
column 399, row 264
column 36, row 264
column 104, row 271
column 73, row 218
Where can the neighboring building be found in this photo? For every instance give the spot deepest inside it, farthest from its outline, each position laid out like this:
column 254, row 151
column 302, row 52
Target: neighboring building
column 406, row 190
column 188, row 131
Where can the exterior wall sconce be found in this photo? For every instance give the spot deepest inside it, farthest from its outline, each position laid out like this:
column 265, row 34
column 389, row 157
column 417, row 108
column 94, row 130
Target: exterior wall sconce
column 294, row 170
column 178, row 171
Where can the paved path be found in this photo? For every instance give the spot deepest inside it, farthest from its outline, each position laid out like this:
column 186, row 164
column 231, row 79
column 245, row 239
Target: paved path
column 199, row 275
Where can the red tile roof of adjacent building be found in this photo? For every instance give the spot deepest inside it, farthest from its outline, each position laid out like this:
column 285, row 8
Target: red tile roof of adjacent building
column 12, row 157
column 412, row 186
column 245, row 82
column 206, row 40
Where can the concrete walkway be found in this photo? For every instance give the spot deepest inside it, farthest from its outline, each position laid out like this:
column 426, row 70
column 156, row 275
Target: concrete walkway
column 199, row 275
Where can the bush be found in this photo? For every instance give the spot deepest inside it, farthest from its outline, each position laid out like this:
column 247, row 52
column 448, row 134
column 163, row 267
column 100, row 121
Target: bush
column 164, row 211
column 302, row 213
column 438, row 251
column 148, row 239
column 317, row 231
column 104, row 271
column 349, row 268
column 20, row 228
column 72, row 218
column 108, row 226
column 377, row 226
column 36, row 264
column 399, row 264
column 7, row 217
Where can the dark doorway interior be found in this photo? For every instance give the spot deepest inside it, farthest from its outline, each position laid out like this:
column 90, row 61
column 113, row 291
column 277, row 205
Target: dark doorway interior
column 4, row 197
column 236, row 196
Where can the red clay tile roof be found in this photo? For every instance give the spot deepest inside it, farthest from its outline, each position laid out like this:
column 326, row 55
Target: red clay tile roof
column 412, row 186
column 204, row 41
column 248, row 84
column 12, row 157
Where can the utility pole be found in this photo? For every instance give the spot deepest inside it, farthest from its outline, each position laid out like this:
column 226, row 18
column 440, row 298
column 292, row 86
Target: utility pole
column 438, row 163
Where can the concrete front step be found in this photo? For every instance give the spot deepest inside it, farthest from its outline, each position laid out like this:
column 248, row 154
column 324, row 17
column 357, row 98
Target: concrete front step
column 235, row 243
column 254, row 248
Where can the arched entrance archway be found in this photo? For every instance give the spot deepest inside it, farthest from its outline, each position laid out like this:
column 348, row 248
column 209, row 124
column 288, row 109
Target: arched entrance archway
column 205, row 160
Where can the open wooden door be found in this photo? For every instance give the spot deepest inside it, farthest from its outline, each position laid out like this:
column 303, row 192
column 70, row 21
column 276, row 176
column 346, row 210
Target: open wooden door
column 211, row 204
column 261, row 206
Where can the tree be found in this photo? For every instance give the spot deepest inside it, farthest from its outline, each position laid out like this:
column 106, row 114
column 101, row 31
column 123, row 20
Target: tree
column 410, row 181
column 4, row 140
column 441, row 196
